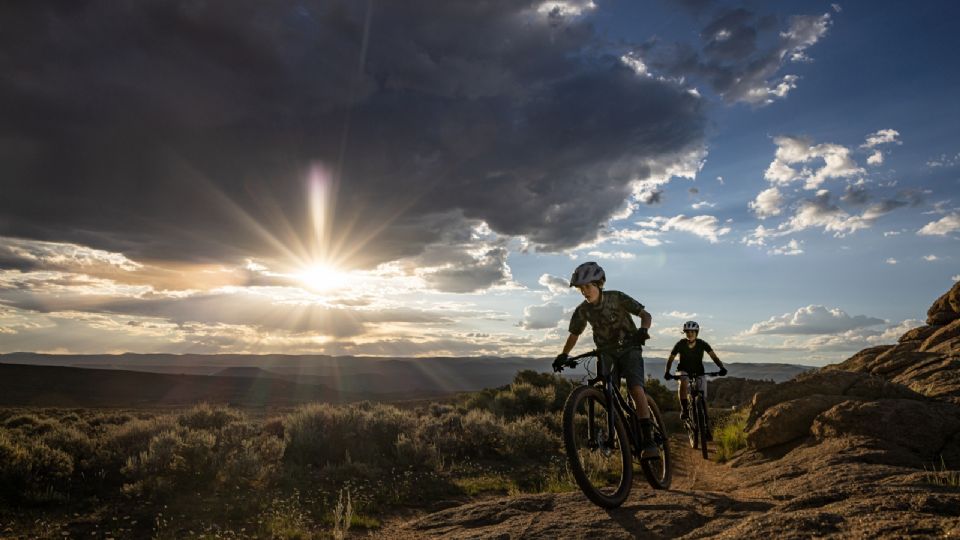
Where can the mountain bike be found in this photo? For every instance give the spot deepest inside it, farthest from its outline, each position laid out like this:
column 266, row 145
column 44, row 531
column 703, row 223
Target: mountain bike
column 698, row 425
column 602, row 438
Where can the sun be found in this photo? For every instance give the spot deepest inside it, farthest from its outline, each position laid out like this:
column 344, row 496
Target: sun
column 323, row 277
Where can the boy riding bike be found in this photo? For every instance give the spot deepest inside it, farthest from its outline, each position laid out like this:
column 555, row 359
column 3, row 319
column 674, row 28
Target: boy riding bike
column 691, row 352
column 608, row 314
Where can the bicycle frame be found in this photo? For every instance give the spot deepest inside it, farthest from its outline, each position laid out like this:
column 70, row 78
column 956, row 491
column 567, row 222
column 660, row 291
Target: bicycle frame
column 612, row 395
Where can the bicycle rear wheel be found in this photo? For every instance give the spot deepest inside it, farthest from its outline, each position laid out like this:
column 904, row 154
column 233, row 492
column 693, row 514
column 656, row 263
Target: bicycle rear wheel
column 601, row 462
column 658, row 471
column 702, row 425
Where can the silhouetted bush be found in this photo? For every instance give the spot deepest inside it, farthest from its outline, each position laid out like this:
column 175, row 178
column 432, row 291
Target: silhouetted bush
column 529, row 438
column 322, row 434
column 204, row 416
column 32, row 472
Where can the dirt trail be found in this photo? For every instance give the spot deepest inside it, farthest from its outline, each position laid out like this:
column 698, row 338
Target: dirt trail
column 699, row 495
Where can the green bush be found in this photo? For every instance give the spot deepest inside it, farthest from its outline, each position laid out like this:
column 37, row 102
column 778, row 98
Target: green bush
column 75, row 443
column 32, row 472
column 730, row 434
column 321, row 434
column 204, row 416
column 120, row 442
column 529, row 438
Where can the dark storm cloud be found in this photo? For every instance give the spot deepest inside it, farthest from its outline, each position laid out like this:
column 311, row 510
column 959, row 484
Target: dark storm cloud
column 183, row 130
column 741, row 53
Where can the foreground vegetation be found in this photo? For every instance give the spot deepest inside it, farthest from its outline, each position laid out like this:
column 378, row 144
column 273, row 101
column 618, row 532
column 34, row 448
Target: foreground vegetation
column 311, row 472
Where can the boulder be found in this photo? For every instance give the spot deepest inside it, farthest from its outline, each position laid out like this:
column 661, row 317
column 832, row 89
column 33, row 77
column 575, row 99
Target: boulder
column 829, row 383
column 938, row 378
column 859, row 361
column 926, row 430
column 948, row 334
column 919, row 333
column 789, row 420
column 945, row 309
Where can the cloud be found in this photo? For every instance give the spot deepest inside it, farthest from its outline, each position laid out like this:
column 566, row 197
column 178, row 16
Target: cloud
column 791, row 248
column 819, row 212
column 679, row 315
column 624, row 255
column 767, row 203
column 891, row 260
column 704, row 226
column 811, row 320
column 944, row 161
column 556, row 285
column 702, row 204
column 943, row 226
column 883, row 136
column 876, row 158
column 541, row 317
column 837, row 162
column 930, row 258
column 197, row 126
column 740, row 56
column 956, row 277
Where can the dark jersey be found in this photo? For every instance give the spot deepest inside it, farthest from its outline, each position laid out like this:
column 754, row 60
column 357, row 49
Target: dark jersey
column 691, row 358
column 609, row 318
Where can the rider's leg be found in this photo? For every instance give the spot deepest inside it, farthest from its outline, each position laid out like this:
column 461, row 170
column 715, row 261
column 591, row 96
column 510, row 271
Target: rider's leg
column 638, row 395
column 684, row 402
column 632, row 364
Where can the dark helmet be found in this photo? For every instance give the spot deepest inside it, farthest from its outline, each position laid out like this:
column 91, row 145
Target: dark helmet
column 587, row 272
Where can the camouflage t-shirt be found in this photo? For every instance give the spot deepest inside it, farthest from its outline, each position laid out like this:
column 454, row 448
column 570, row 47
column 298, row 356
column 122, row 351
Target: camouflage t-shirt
column 609, row 318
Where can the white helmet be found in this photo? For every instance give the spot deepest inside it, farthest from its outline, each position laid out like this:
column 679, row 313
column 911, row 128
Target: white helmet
column 587, row 272
column 691, row 325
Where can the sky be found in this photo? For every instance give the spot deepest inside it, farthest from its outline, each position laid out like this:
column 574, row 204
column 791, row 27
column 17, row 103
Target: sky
column 420, row 178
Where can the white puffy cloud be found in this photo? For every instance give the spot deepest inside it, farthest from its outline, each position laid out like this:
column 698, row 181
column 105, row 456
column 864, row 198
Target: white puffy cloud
column 791, row 248
column 703, row 226
column 702, row 204
column 943, row 226
column 767, row 203
column 837, row 162
column 956, row 277
column 930, row 258
column 821, row 213
column 891, row 260
column 813, row 319
column 883, row 136
column 556, row 285
column 541, row 317
column 759, row 236
column 876, row 158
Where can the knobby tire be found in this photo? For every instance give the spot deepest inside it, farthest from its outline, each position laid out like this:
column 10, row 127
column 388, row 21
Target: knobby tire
column 581, row 396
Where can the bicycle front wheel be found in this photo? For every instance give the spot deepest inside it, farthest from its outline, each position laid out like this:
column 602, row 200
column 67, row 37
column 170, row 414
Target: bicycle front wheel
column 600, row 461
column 658, row 471
column 702, row 426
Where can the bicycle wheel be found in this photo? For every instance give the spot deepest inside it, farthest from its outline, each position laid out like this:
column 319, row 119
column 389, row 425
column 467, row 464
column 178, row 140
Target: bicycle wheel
column 658, row 471
column 600, row 462
column 702, row 425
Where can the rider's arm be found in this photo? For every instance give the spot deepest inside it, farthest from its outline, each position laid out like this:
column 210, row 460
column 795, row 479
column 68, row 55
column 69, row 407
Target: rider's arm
column 670, row 361
column 645, row 319
column 716, row 359
column 571, row 342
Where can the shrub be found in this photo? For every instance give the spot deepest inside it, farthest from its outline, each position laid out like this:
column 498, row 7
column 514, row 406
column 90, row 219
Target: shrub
column 31, row 473
column 482, row 434
column 730, row 434
column 529, row 438
column 121, row 442
column 203, row 416
column 73, row 442
column 321, row 434
column 522, row 399
column 22, row 420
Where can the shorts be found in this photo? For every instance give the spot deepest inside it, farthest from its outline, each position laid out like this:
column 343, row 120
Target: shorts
column 629, row 364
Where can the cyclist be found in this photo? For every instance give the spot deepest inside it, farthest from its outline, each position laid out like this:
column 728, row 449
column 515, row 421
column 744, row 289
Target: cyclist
column 608, row 314
column 691, row 352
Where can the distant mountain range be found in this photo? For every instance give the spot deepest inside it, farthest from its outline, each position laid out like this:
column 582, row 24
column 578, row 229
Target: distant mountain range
column 275, row 379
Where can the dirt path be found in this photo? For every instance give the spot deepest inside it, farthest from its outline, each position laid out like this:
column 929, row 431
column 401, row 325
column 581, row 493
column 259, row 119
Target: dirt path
column 700, row 494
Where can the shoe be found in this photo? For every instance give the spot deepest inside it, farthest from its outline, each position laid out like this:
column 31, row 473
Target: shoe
column 650, row 451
